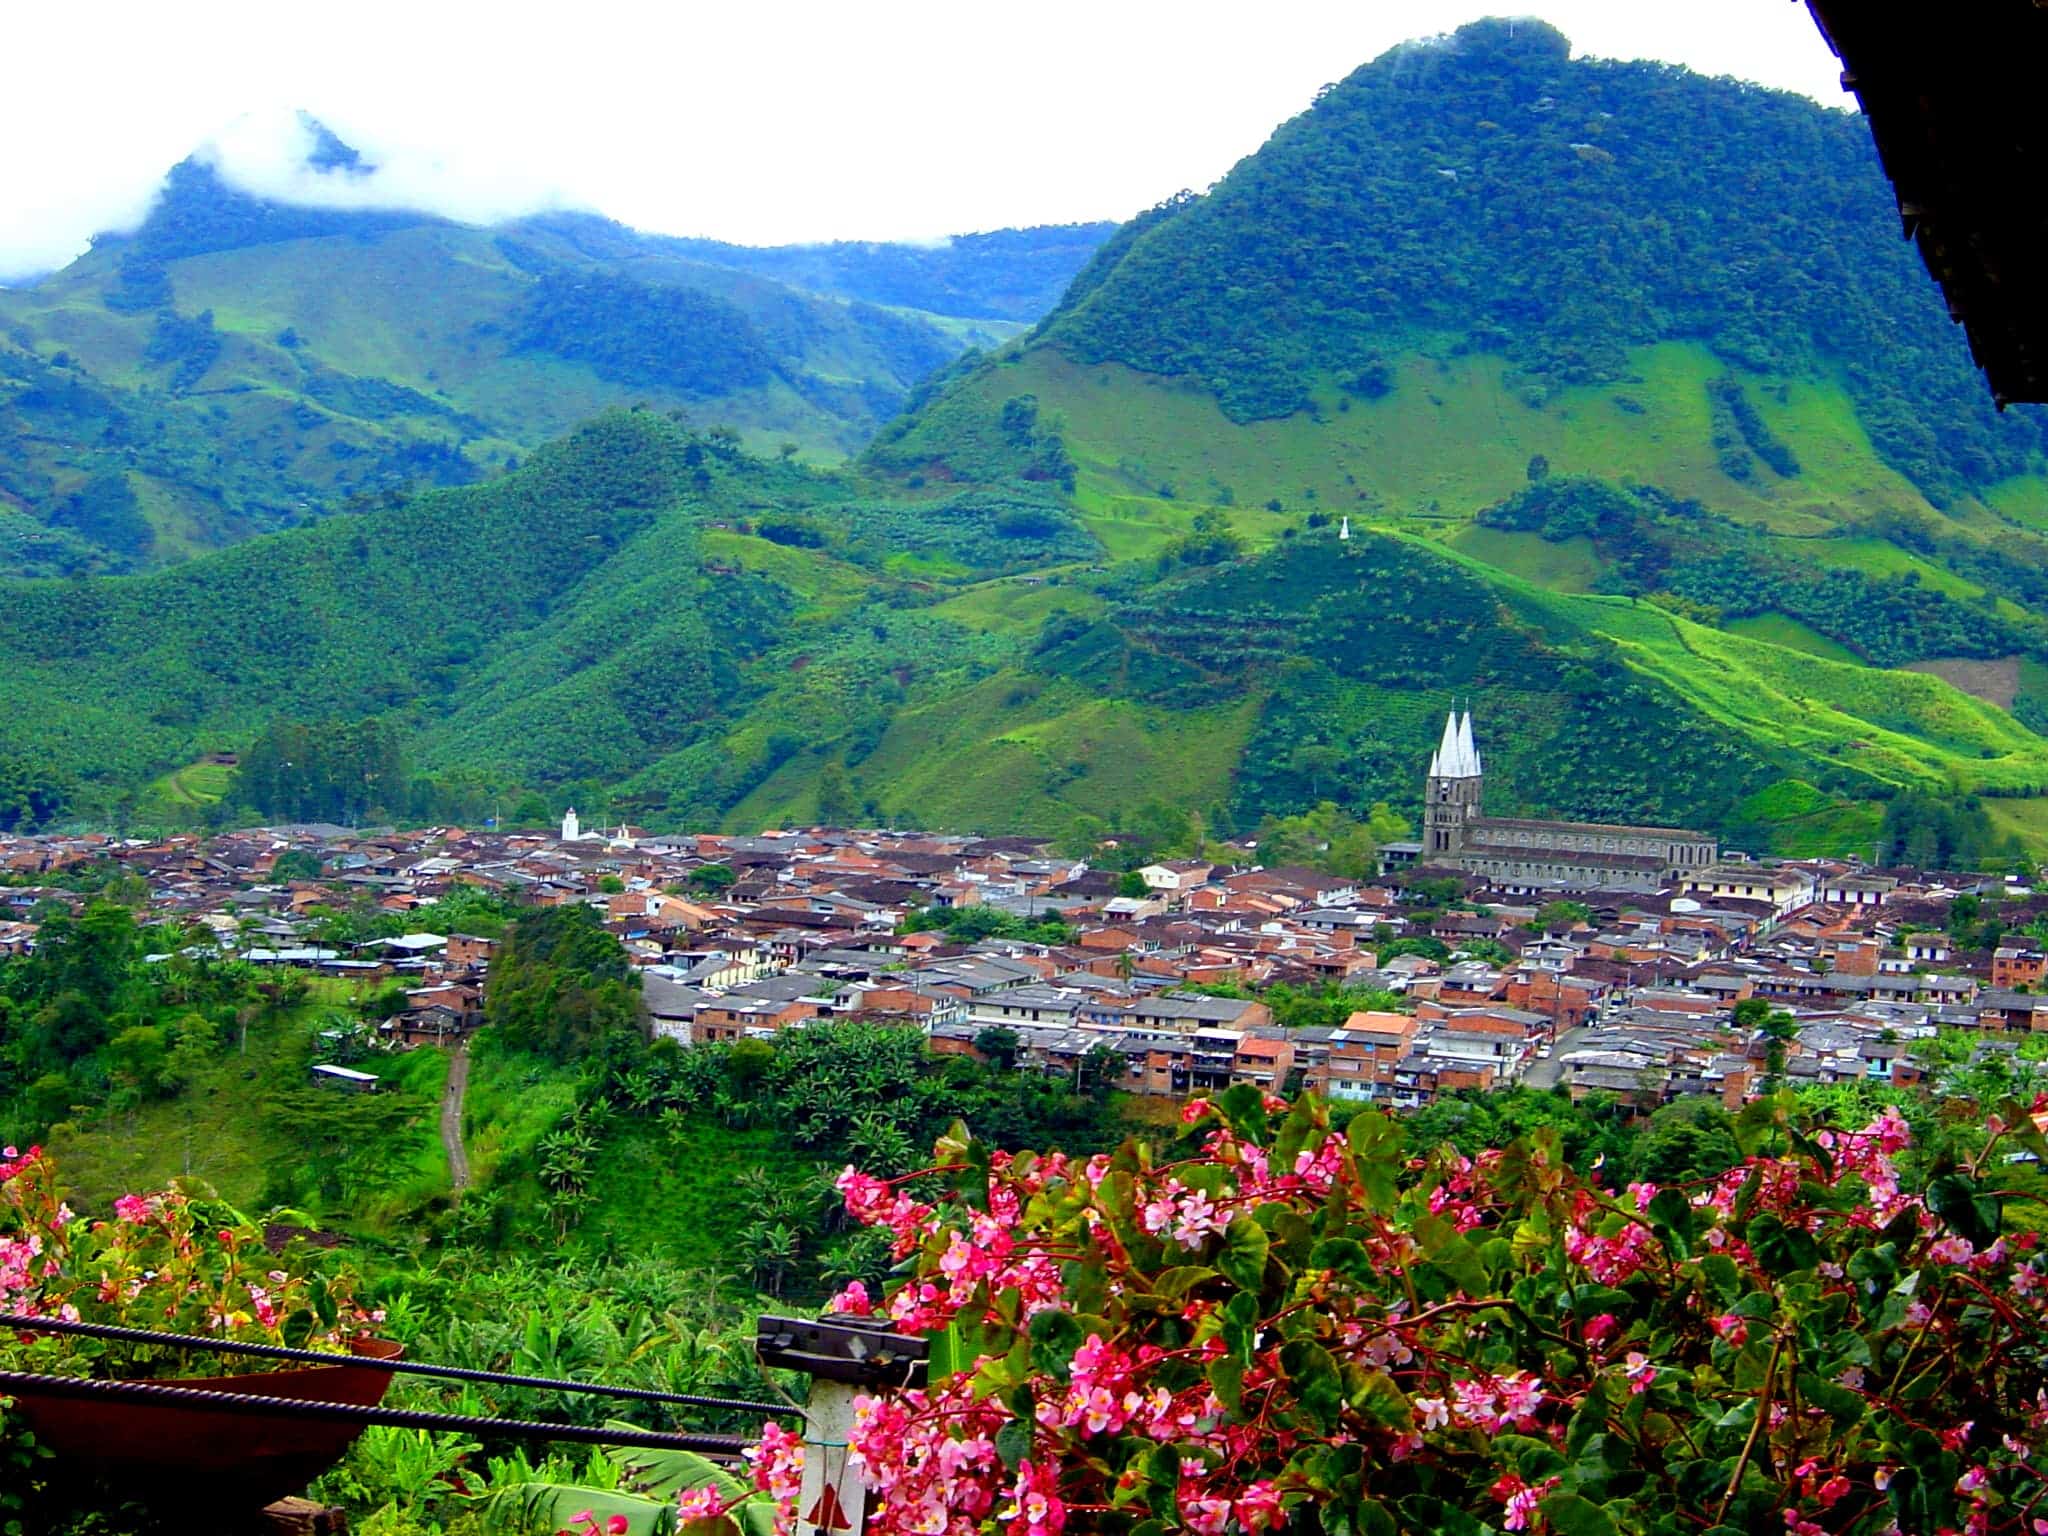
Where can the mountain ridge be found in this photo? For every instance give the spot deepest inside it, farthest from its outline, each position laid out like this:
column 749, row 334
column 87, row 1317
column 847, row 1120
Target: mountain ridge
column 238, row 363
column 1679, row 559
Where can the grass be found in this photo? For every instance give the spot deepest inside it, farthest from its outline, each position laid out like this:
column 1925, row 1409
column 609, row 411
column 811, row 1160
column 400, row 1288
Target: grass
column 192, row 787
column 423, row 1073
column 2023, row 499
column 213, row 1130
column 1900, row 728
column 1018, row 752
column 1805, row 823
column 509, row 1104
column 1570, row 565
column 1453, row 436
column 1784, row 630
column 2025, row 819
column 679, row 1198
column 1015, row 605
column 1876, row 557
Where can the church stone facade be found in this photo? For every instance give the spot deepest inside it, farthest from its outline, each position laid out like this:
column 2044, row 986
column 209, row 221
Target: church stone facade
column 1540, row 853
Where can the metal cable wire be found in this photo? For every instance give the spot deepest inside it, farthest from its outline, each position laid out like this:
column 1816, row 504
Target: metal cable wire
column 33, row 1384
column 371, row 1363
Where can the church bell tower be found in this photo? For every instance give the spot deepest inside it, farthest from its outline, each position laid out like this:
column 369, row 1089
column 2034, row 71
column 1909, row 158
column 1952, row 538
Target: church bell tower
column 1450, row 795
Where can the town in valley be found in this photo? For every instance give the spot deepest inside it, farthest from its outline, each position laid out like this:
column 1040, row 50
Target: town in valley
column 1636, row 963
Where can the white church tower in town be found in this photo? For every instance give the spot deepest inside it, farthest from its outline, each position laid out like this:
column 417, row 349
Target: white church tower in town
column 1450, row 795
column 572, row 828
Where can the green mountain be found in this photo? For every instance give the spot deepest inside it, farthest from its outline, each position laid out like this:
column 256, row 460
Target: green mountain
column 238, row 364
column 1651, row 439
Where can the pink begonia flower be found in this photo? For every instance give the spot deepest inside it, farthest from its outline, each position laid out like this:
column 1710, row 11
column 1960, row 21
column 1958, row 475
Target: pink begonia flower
column 853, row 1301
column 704, row 1503
column 1641, row 1372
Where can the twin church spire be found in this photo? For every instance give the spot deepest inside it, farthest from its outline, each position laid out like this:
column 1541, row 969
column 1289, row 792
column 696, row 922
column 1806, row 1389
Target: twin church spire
column 1457, row 757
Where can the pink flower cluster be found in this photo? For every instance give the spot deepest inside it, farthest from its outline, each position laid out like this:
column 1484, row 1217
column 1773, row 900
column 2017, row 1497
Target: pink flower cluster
column 1494, row 1403
column 930, row 1460
column 1612, row 1260
column 1030, row 1440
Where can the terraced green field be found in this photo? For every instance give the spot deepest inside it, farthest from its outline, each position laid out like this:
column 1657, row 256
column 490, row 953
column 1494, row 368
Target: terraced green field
column 1778, row 629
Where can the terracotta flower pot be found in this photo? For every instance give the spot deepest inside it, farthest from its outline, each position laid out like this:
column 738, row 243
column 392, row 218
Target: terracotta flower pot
column 169, row 1454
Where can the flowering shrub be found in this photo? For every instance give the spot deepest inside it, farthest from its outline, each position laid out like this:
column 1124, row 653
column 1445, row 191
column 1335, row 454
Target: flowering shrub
column 1275, row 1324
column 169, row 1261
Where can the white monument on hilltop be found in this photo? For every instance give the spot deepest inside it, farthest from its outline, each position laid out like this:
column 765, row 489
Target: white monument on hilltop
column 572, row 829
column 1344, row 530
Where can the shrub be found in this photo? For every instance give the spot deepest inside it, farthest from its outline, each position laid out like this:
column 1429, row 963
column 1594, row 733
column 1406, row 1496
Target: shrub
column 1272, row 1324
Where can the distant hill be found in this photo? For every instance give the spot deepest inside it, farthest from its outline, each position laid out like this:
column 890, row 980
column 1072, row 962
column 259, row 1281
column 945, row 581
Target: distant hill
column 1478, row 266
column 651, row 620
column 239, row 364
column 1650, row 439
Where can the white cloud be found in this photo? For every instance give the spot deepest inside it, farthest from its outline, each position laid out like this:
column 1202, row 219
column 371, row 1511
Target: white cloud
column 773, row 122
column 269, row 153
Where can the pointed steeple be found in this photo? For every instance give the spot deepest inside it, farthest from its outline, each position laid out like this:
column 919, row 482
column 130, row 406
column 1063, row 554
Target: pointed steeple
column 1467, row 747
column 1445, row 763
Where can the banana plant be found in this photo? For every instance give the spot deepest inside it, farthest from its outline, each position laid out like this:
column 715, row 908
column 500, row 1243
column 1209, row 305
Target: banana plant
column 649, row 1483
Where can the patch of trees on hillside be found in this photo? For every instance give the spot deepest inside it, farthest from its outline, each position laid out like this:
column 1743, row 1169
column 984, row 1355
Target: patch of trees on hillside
column 560, row 984
column 637, row 333
column 329, row 770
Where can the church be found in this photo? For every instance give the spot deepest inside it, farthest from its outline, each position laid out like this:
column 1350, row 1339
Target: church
column 1541, row 853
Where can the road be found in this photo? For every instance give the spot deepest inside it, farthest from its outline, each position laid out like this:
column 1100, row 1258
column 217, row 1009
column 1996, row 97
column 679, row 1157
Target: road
column 451, row 1119
column 1543, row 1075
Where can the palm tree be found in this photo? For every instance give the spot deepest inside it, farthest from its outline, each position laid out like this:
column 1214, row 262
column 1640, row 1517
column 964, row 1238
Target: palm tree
column 772, row 1249
column 639, row 1090
column 878, row 1145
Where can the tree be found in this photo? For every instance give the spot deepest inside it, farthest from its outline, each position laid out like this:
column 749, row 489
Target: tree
column 1555, row 915
column 561, row 983
column 835, row 796
column 1131, row 883
column 712, row 878
column 89, row 955
column 1327, row 837
column 295, row 864
column 1317, row 761
column 999, row 1044
column 349, row 1144
column 1685, row 1143
column 1101, row 1069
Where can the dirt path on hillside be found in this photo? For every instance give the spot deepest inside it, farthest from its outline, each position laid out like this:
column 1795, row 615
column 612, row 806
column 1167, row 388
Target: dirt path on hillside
column 451, row 1119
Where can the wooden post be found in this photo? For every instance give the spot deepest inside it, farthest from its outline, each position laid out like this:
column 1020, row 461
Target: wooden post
column 302, row 1517
column 845, row 1356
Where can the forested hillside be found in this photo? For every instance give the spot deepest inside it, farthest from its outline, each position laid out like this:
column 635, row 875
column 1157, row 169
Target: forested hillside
column 1486, row 193
column 650, row 623
column 1610, row 373
column 238, row 364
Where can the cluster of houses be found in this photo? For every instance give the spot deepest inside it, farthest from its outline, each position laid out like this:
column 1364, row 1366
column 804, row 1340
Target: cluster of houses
column 1160, row 986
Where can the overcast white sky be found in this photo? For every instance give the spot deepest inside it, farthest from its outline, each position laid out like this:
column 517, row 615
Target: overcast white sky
column 759, row 122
